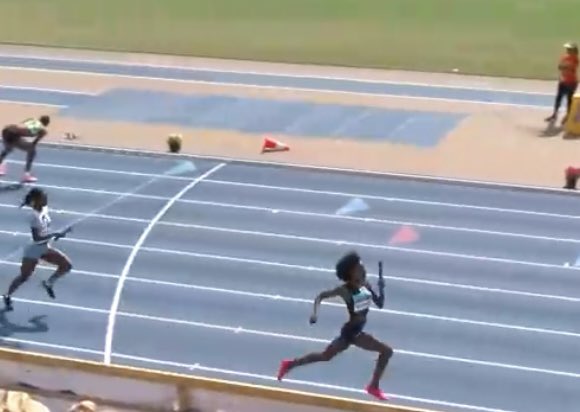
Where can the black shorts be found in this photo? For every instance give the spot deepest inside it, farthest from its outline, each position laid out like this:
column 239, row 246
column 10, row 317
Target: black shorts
column 9, row 136
column 349, row 332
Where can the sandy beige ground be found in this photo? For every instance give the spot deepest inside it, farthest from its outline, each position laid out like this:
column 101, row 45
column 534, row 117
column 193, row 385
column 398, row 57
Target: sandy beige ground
column 497, row 143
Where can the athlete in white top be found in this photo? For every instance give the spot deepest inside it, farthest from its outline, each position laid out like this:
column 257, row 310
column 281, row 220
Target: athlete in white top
column 39, row 247
column 40, row 220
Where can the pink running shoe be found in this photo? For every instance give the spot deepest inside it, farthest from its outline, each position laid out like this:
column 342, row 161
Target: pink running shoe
column 377, row 393
column 2, row 169
column 284, row 368
column 28, row 178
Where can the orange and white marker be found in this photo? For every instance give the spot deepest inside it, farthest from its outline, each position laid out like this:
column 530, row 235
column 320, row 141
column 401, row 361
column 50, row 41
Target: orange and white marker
column 273, row 145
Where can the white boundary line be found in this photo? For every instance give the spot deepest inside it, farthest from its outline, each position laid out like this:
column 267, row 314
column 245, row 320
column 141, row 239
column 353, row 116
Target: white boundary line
column 97, row 213
column 307, row 167
column 133, row 254
column 272, row 74
column 227, row 372
column 300, row 338
column 352, row 243
column 286, row 88
column 324, row 241
column 101, row 170
column 48, row 90
column 284, row 336
column 367, row 196
column 56, row 106
column 258, row 262
column 281, row 188
column 289, row 299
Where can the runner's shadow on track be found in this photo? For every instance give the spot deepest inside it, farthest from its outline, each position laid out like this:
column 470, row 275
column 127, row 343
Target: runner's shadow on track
column 11, row 187
column 551, row 130
column 36, row 324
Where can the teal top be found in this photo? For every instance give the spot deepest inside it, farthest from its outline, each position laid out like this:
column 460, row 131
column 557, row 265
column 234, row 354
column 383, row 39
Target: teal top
column 361, row 301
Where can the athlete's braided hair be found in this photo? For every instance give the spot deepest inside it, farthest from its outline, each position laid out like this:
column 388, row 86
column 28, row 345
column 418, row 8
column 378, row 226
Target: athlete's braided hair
column 32, row 194
column 346, row 264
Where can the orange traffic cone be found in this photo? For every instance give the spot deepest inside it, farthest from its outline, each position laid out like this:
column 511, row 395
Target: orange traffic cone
column 404, row 235
column 272, row 145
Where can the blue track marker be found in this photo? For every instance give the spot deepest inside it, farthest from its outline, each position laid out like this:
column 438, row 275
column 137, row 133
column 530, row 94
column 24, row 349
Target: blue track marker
column 184, row 166
column 353, row 206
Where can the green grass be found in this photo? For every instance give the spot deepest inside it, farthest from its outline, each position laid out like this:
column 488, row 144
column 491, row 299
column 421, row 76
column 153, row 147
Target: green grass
column 516, row 38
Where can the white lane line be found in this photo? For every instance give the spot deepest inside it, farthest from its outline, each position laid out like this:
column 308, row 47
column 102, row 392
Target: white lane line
column 342, row 242
column 67, row 348
column 391, row 199
column 290, row 189
column 277, row 74
column 63, row 306
column 133, row 254
column 197, row 366
column 281, row 298
column 237, row 329
column 374, row 220
column 299, row 382
column 313, row 268
column 118, row 151
column 93, row 191
column 270, row 87
column 294, row 337
column 307, row 214
column 84, row 214
column 374, row 275
column 105, row 171
column 317, row 240
column 383, row 311
column 260, row 262
column 75, row 240
column 28, row 103
column 44, row 89
column 313, row 240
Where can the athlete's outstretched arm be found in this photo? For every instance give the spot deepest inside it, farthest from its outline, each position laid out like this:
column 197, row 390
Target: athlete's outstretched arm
column 327, row 294
column 36, row 237
column 379, row 299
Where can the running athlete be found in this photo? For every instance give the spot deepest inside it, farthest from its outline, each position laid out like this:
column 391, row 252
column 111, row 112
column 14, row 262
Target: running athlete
column 13, row 137
column 40, row 247
column 358, row 295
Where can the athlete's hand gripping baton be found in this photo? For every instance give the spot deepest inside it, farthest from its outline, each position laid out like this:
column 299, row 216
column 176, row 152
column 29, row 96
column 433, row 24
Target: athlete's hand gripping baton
column 63, row 233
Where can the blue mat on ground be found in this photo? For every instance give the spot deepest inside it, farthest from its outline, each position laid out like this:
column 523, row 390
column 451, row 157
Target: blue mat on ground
column 257, row 116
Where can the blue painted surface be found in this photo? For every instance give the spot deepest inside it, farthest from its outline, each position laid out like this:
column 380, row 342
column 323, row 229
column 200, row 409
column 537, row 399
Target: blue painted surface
column 42, row 96
column 214, row 76
column 258, row 116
